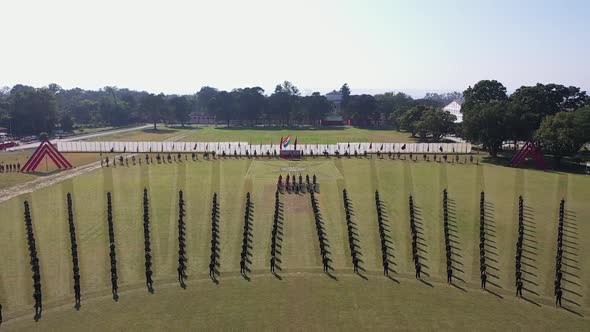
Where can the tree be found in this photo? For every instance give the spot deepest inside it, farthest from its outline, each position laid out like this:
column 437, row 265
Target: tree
column 251, row 103
column 442, row 99
column 530, row 104
column 410, row 120
column 182, row 109
column 86, row 111
column 484, row 92
column 224, row 106
column 32, row 110
column 284, row 102
column 436, row 123
column 4, row 107
column 485, row 114
column 362, row 109
column 151, row 106
column 316, row 107
column 204, row 98
column 345, row 91
column 393, row 106
column 66, row 122
column 486, row 123
column 564, row 133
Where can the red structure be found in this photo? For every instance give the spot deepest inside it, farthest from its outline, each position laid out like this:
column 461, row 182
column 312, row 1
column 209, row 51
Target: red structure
column 46, row 149
column 530, row 149
column 7, row 145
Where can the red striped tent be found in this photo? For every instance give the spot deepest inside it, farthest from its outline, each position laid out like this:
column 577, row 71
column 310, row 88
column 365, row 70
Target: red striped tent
column 45, row 149
column 530, row 149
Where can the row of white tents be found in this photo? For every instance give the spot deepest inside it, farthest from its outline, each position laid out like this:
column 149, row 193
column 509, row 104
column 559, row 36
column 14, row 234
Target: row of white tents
column 243, row 148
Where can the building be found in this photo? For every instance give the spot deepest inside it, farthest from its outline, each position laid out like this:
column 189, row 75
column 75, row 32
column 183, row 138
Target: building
column 454, row 108
column 333, row 119
column 201, row 118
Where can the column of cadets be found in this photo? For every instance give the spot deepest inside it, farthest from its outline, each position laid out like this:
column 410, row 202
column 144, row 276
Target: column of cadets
column 214, row 239
column 518, row 257
column 112, row 253
column 382, row 235
column 448, row 248
column 482, row 241
column 34, row 263
column 181, row 241
column 246, row 236
column 321, row 233
column 352, row 240
column 147, row 244
column 559, row 256
column 414, row 233
column 76, row 267
column 274, row 233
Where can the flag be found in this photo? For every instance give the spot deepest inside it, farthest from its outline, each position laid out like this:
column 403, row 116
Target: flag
column 125, row 149
column 428, row 148
column 348, row 146
column 370, row 145
column 172, row 147
column 381, row 149
column 206, row 146
column 440, row 149
column 403, row 147
column 194, row 148
column 295, row 142
column 285, row 142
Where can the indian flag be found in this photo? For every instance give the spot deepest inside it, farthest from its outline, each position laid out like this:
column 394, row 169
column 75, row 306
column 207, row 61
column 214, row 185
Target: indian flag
column 286, row 141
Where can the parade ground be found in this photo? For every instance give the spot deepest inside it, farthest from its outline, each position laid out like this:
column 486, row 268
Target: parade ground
column 300, row 296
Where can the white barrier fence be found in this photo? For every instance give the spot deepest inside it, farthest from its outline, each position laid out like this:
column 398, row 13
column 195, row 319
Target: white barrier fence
column 241, row 148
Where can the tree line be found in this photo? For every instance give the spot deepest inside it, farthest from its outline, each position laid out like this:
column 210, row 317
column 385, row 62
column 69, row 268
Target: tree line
column 26, row 110
column 556, row 116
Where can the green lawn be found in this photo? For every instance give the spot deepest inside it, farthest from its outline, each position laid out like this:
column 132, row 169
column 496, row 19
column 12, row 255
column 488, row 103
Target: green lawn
column 22, row 156
column 80, row 159
column 305, row 299
column 322, row 135
column 144, row 135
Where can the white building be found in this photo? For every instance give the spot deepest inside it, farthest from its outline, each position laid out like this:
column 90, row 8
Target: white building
column 454, row 108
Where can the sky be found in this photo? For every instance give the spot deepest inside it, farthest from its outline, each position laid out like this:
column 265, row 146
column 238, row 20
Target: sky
column 177, row 46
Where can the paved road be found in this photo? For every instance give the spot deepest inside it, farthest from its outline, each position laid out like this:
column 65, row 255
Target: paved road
column 79, row 137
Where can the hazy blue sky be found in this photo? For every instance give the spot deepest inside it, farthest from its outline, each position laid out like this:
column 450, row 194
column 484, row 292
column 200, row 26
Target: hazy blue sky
column 176, row 46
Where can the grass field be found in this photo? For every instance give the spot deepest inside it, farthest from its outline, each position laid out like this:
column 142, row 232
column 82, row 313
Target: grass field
column 11, row 179
column 79, row 159
column 305, row 299
column 143, row 135
column 306, row 135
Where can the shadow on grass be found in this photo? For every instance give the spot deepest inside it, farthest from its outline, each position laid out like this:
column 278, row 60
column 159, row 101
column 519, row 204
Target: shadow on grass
column 568, row 165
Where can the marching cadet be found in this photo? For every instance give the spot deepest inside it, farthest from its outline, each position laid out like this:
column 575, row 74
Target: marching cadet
column 272, row 264
column 519, row 288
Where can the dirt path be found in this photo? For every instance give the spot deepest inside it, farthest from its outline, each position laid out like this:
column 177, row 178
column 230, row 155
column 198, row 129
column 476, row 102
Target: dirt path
column 45, row 181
